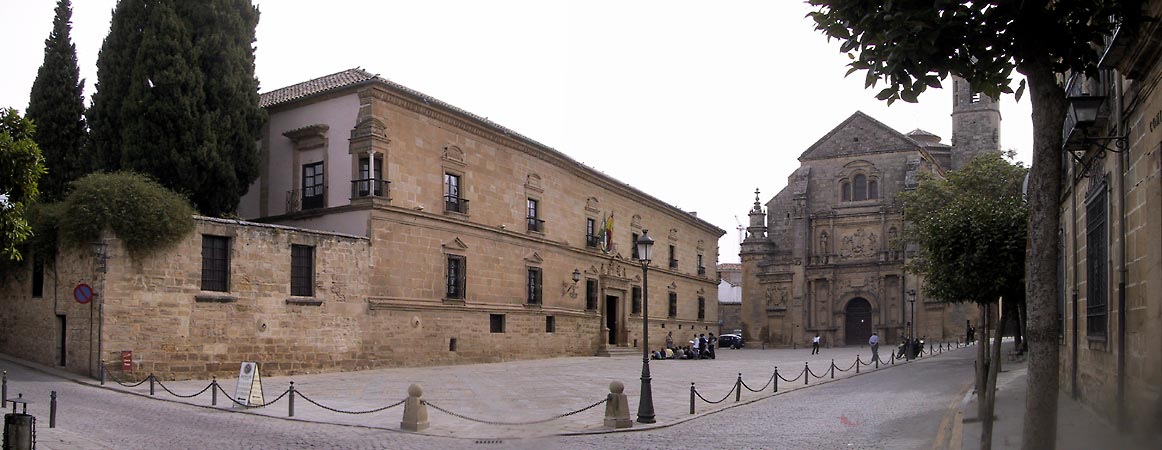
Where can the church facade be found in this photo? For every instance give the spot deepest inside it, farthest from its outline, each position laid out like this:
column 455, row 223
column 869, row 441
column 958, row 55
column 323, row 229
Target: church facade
column 825, row 256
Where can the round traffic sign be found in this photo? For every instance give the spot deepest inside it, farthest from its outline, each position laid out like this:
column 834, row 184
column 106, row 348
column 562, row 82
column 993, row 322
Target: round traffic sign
column 83, row 293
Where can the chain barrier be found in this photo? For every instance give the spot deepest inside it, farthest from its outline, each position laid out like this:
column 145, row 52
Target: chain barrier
column 328, row 408
column 793, row 379
column 847, row 369
column 812, row 372
column 175, row 394
column 496, row 422
column 699, row 394
column 769, row 381
column 115, row 380
column 236, row 402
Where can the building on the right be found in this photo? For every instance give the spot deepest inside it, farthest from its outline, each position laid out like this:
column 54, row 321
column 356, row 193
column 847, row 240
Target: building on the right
column 1110, row 268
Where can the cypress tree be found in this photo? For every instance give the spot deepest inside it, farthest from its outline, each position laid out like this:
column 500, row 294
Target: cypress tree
column 57, row 106
column 182, row 100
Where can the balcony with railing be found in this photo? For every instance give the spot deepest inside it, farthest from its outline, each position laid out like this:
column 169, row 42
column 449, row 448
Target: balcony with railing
column 369, row 187
column 536, row 225
column 702, row 271
column 673, row 263
column 304, row 199
column 455, row 204
column 591, row 240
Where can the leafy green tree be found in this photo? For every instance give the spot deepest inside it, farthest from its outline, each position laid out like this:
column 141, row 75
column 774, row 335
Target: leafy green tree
column 21, row 167
column 182, row 104
column 971, row 232
column 912, row 45
column 57, row 107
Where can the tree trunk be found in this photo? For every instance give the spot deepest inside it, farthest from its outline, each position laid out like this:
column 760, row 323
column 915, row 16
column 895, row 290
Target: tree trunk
column 1049, row 104
column 990, row 395
column 982, row 361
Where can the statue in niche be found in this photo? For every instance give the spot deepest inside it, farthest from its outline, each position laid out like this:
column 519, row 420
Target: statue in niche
column 823, row 241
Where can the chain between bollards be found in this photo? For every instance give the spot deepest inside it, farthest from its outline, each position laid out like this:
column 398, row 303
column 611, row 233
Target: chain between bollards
column 691, row 397
column 291, row 405
column 214, row 392
column 52, row 410
column 738, row 388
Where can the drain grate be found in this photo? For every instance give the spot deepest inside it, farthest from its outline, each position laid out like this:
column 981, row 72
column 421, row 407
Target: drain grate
column 489, row 441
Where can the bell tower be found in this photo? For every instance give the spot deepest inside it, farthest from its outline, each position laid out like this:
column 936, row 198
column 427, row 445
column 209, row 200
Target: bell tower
column 976, row 123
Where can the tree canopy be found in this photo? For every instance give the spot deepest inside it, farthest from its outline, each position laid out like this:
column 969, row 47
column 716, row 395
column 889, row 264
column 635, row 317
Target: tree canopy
column 57, row 106
column 177, row 98
column 21, row 167
column 970, row 229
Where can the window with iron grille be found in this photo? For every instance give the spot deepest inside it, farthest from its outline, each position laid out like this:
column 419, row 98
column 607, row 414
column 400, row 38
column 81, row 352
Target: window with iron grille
column 215, row 263
column 673, row 307
column 636, row 302
column 590, row 294
column 534, row 285
column 673, row 262
column 454, row 281
column 302, row 270
column 701, row 308
column 590, row 233
column 37, row 276
column 1096, row 252
column 550, row 324
column 313, row 185
column 496, row 323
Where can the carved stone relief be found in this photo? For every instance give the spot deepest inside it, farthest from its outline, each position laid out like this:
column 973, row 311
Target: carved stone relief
column 860, row 244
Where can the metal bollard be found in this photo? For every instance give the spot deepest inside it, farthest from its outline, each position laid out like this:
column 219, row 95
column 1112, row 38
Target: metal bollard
column 856, row 363
column 102, row 372
column 4, row 391
column 738, row 388
column 832, row 368
column 775, row 380
column 214, row 392
column 691, row 397
column 291, row 404
column 806, row 373
column 151, row 384
column 52, row 410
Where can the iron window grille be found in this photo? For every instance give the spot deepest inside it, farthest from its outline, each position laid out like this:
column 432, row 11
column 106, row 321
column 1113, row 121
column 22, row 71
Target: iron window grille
column 672, row 311
column 701, row 308
column 534, row 285
column 456, row 276
column 302, row 270
column 636, row 300
column 591, row 294
column 215, row 263
column 1096, row 251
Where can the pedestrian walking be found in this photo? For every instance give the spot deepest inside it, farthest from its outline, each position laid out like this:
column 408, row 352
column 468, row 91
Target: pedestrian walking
column 874, row 343
column 815, row 345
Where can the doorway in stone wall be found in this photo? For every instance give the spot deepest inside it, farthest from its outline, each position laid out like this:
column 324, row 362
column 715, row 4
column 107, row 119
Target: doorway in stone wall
column 858, row 327
column 611, row 318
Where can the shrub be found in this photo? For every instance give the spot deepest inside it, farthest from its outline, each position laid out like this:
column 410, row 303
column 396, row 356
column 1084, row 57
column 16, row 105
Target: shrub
column 142, row 213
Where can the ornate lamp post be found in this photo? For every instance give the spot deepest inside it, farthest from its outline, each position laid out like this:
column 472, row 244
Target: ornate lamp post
column 645, row 406
column 912, row 300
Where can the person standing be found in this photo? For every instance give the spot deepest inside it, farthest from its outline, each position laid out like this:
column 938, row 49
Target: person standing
column 705, row 353
column 711, row 342
column 815, row 344
column 874, row 343
column 670, row 340
column 697, row 348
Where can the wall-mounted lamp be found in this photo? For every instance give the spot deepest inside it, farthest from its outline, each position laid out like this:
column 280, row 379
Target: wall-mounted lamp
column 1083, row 111
column 571, row 289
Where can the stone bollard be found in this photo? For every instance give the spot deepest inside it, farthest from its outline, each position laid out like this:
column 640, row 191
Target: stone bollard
column 617, row 407
column 415, row 412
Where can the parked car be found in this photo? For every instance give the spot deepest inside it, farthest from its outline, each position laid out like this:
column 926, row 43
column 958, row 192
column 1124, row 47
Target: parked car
column 730, row 340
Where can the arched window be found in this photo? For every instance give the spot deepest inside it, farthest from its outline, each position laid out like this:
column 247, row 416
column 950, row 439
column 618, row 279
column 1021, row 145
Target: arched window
column 873, row 189
column 845, row 191
column 859, row 190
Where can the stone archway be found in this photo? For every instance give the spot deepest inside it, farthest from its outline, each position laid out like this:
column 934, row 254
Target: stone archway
column 858, row 321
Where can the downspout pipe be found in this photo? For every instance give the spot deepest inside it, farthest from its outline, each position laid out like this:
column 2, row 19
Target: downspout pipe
column 1123, row 416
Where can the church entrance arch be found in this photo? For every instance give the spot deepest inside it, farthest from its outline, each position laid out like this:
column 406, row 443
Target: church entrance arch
column 858, row 327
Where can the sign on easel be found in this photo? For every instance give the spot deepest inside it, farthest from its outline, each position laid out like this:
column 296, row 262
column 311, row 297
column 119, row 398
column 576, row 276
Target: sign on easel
column 249, row 390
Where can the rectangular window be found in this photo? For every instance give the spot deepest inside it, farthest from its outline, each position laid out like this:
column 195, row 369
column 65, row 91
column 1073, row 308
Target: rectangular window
column 633, row 245
column 534, row 216
column 313, row 185
column 1096, row 251
column 534, row 286
column 454, row 281
column 590, row 233
column 701, row 269
column 370, row 182
column 215, row 263
column 452, row 200
column 37, row 276
column 673, row 307
column 636, row 303
column 302, row 270
column 590, row 294
column 496, row 323
column 550, row 324
column 673, row 262
column 701, row 308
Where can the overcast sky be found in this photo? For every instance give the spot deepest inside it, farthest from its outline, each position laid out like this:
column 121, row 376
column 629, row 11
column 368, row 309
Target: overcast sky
column 695, row 103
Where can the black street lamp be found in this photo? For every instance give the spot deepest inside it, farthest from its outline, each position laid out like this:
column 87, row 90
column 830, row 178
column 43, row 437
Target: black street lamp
column 912, row 300
column 645, row 406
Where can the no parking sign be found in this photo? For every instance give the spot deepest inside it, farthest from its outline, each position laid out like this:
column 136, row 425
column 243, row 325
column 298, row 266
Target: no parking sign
column 83, row 293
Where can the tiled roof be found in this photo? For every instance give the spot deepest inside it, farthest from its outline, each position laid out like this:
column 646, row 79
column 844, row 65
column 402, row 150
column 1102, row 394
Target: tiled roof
column 919, row 132
column 316, row 86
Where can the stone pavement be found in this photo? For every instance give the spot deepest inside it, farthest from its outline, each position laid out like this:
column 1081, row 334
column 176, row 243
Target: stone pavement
column 516, row 391
column 1077, row 426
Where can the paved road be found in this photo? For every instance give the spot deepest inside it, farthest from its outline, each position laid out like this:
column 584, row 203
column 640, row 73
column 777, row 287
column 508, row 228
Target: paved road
column 898, row 407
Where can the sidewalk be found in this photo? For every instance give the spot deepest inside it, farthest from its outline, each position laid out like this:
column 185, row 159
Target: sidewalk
column 1077, row 426
column 520, row 391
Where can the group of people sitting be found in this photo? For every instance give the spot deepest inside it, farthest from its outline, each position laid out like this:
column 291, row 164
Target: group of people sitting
column 701, row 347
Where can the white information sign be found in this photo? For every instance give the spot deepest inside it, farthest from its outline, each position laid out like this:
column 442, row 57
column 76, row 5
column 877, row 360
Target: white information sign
column 249, row 390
